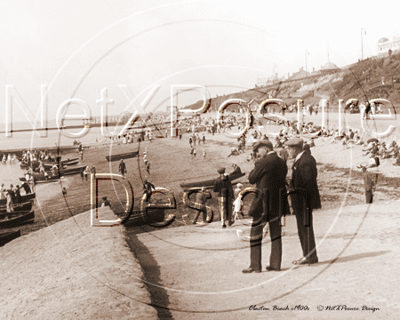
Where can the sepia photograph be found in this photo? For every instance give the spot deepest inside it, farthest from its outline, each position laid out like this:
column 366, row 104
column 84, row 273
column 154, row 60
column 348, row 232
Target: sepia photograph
column 199, row 160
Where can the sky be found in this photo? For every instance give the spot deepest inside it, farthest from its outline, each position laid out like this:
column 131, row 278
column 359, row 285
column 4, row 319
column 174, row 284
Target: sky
column 144, row 50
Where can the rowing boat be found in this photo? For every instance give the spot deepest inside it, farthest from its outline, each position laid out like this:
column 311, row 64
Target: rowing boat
column 71, row 171
column 41, row 177
column 20, row 207
column 6, row 237
column 24, row 198
column 209, row 183
column 12, row 222
column 49, row 164
column 120, row 156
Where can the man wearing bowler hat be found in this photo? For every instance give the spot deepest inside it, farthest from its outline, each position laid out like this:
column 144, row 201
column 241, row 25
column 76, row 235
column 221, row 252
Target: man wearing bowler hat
column 269, row 173
column 304, row 176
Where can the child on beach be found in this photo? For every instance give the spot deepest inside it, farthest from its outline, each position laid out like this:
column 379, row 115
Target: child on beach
column 238, row 203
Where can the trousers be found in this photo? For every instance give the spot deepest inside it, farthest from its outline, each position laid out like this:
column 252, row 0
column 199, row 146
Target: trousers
column 306, row 234
column 368, row 196
column 275, row 233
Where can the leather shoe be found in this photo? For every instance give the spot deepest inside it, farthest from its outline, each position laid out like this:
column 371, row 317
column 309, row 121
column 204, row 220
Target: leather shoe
column 305, row 261
column 250, row 270
column 269, row 268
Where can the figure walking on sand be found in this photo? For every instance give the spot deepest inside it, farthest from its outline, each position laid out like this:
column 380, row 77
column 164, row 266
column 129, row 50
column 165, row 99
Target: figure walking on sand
column 368, row 185
column 201, row 200
column 86, row 172
column 80, row 150
column 148, row 189
column 148, row 167
column 223, row 186
column 122, row 168
column 191, row 152
column 82, row 173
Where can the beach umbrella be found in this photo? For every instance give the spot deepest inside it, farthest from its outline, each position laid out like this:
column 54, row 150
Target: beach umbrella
column 372, row 140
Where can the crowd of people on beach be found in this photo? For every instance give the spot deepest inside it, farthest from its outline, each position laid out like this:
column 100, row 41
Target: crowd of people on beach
column 11, row 158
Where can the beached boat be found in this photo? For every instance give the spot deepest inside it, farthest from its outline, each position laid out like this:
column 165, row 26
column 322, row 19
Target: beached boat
column 120, row 156
column 23, row 199
column 41, row 177
column 49, row 164
column 68, row 162
column 25, row 165
column 64, row 172
column 15, row 221
column 6, row 237
column 19, row 207
column 71, row 171
column 209, row 183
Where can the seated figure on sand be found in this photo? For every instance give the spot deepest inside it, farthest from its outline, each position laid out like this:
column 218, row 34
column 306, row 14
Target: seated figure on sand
column 372, row 162
column 372, row 148
column 234, row 152
column 236, row 169
column 397, row 163
column 336, row 136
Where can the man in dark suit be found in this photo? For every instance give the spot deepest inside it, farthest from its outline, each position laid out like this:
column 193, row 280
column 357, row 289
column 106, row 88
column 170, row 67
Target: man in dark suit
column 223, row 186
column 269, row 173
column 304, row 176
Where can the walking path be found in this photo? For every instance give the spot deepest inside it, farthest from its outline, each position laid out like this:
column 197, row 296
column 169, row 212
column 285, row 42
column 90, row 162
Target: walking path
column 194, row 272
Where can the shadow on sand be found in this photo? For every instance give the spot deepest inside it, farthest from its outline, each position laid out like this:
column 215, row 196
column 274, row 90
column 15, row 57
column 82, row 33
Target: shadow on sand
column 353, row 257
column 159, row 296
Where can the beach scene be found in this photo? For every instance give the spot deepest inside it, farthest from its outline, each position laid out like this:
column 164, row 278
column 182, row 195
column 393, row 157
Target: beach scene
column 176, row 195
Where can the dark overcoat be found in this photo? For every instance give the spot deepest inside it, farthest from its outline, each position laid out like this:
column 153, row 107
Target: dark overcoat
column 304, row 175
column 270, row 173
